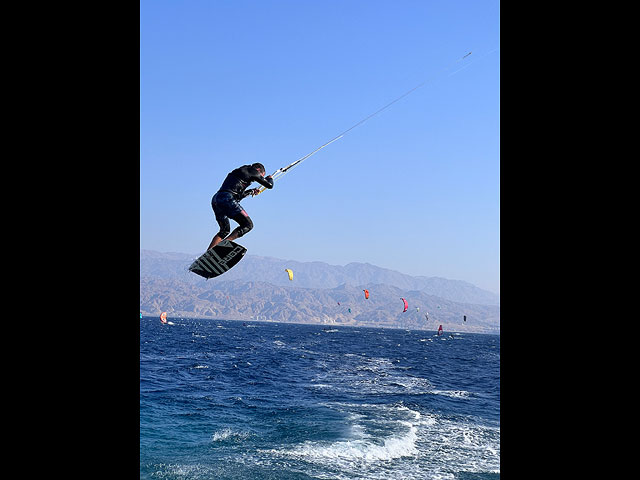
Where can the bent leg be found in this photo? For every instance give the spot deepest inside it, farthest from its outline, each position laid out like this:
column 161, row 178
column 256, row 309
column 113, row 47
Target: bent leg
column 244, row 226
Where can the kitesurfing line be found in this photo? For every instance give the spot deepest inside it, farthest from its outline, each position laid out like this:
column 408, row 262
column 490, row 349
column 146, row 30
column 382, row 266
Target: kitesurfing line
column 281, row 171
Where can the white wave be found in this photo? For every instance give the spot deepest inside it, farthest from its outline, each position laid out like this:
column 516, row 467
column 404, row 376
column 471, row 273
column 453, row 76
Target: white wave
column 181, row 471
column 461, row 443
column 452, row 393
column 363, row 449
column 320, row 385
column 415, row 446
column 412, row 385
column 377, row 375
column 227, row 433
column 375, row 364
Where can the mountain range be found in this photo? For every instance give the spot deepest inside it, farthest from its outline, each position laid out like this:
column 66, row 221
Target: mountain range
column 258, row 288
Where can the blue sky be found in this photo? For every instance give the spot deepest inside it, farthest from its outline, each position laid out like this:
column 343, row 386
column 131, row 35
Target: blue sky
column 415, row 189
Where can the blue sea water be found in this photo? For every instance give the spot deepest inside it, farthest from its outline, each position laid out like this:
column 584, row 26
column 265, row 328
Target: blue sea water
column 252, row 400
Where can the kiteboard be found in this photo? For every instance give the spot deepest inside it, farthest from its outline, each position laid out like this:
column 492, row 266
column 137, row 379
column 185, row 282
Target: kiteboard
column 218, row 259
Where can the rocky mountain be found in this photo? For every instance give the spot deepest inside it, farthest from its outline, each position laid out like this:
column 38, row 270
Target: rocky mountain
column 315, row 296
column 312, row 275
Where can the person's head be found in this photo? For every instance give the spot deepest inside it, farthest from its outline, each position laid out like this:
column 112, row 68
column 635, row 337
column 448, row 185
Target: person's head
column 260, row 168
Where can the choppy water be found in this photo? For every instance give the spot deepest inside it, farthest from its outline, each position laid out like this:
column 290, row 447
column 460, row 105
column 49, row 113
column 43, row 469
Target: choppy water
column 234, row 400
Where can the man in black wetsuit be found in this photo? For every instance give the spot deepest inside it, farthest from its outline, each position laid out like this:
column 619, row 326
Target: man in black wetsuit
column 226, row 202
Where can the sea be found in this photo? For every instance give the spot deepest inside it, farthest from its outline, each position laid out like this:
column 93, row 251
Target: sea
column 260, row 400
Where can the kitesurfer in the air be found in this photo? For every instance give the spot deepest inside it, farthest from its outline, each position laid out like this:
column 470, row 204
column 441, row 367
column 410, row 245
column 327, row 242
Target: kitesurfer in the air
column 226, row 202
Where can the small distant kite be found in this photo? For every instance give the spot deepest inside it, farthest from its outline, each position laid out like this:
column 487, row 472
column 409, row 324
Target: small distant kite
column 290, row 273
column 406, row 305
column 366, row 294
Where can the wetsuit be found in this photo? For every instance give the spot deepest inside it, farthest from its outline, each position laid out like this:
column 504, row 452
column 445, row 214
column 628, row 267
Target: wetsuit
column 226, row 202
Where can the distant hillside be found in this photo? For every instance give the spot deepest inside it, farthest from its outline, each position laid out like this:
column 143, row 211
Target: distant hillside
column 313, row 275
column 315, row 296
column 239, row 300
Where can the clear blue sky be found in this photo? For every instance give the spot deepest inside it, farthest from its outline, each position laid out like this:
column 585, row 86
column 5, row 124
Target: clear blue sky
column 415, row 189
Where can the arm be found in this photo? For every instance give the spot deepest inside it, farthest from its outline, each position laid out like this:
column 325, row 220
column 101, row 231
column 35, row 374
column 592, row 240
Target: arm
column 255, row 191
column 264, row 181
column 254, row 176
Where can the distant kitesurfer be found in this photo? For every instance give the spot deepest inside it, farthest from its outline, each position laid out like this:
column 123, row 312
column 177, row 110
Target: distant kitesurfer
column 226, row 202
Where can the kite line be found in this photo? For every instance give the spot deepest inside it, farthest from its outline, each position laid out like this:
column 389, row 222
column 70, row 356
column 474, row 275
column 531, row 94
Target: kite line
column 282, row 171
